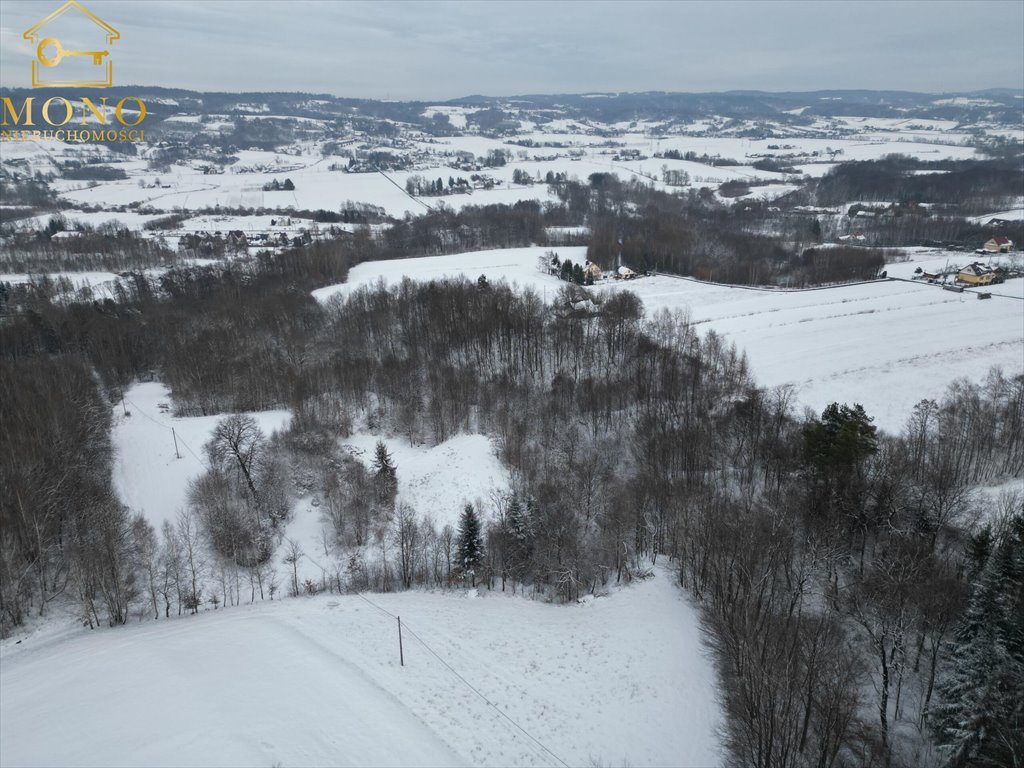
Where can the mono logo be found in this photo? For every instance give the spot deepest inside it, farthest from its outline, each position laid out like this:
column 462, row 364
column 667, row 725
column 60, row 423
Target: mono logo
column 84, row 66
column 71, row 49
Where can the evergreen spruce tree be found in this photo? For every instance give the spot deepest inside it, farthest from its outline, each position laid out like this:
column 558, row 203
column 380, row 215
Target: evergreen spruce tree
column 382, row 461
column 979, row 717
column 385, row 475
column 836, row 448
column 520, row 524
column 470, row 543
column 842, row 438
column 978, row 550
column 565, row 272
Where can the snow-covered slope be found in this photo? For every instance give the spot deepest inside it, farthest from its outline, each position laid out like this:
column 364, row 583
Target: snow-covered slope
column 515, row 265
column 148, row 476
column 440, row 480
column 619, row 680
column 436, row 481
column 885, row 345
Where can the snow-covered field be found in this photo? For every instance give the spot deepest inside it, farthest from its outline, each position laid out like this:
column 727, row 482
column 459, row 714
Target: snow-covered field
column 129, row 219
column 148, row 476
column 1014, row 214
column 885, row 345
column 515, row 265
column 78, row 279
column 316, row 186
column 620, row 679
column 575, row 149
column 616, row 680
column 434, row 480
column 440, row 480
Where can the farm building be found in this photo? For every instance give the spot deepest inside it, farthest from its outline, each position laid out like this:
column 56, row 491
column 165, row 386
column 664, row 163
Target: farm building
column 976, row 274
column 999, row 244
column 625, row 273
column 592, row 269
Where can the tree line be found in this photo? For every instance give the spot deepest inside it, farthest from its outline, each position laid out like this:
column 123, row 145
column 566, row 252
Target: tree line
column 968, row 187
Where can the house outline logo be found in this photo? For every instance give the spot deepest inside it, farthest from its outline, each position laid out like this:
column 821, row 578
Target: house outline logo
column 44, row 61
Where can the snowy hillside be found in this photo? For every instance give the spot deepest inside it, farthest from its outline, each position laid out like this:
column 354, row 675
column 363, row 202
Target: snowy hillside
column 515, row 265
column 148, row 476
column 440, row 480
column 434, row 480
column 618, row 680
column 885, row 344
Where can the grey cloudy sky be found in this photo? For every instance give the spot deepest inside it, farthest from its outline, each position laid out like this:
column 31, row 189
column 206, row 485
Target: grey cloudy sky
column 441, row 50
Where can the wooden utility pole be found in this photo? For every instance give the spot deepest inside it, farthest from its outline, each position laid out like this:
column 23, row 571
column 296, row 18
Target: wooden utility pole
column 401, row 654
column 175, row 436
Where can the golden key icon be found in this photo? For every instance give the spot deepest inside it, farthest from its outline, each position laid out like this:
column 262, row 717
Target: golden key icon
column 46, row 61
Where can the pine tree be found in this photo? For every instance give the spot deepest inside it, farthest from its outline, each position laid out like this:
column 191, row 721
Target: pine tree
column 470, row 543
column 979, row 547
column 837, row 448
column 382, row 461
column 520, row 525
column 979, row 718
column 385, row 475
column 565, row 272
column 577, row 274
column 521, row 522
column 844, row 437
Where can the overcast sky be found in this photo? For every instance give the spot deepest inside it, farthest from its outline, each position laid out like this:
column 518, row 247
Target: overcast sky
column 440, row 50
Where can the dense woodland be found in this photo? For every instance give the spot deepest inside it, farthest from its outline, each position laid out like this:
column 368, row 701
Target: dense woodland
column 966, row 186
column 109, row 247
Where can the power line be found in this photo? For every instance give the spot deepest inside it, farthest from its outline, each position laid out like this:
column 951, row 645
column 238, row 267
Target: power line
column 403, row 189
column 468, row 684
column 168, row 427
column 146, row 415
column 382, row 610
column 189, row 449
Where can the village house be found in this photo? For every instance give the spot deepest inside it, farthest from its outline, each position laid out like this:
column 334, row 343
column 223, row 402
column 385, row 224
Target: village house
column 625, row 273
column 998, row 244
column 976, row 274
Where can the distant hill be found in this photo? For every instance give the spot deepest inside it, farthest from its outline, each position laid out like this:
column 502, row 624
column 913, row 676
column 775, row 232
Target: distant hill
column 998, row 104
